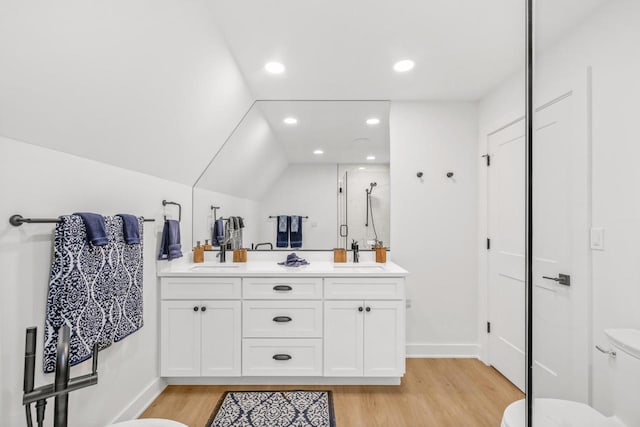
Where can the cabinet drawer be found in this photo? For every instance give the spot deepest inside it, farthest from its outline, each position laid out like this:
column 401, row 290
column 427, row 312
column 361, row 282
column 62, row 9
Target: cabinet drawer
column 285, row 357
column 201, row 288
column 282, row 288
column 282, row 319
column 364, row 288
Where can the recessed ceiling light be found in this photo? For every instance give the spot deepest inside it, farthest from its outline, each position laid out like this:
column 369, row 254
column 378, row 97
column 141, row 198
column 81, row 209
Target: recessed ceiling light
column 361, row 168
column 403, row 66
column 318, row 152
column 291, row 120
column 373, row 121
column 371, row 157
column 274, row 67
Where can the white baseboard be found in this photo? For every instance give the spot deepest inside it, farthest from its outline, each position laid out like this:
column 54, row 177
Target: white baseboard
column 141, row 401
column 455, row 351
column 284, row 380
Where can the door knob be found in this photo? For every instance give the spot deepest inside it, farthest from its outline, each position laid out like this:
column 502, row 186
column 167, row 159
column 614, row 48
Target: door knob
column 562, row 279
column 203, row 308
column 360, row 309
column 368, row 309
column 195, row 309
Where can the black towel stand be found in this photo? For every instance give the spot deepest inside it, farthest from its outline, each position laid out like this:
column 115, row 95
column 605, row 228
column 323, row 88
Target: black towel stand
column 17, row 220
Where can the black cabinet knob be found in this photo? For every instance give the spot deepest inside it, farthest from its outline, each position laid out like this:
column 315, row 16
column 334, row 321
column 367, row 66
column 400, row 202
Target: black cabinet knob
column 195, row 309
column 368, row 309
column 203, row 308
column 282, row 319
column 360, row 308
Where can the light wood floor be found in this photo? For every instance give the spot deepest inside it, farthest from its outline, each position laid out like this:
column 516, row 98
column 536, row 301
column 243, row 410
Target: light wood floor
column 434, row 392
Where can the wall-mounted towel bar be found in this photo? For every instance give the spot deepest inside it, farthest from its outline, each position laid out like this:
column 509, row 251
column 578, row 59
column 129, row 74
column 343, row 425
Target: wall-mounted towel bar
column 215, row 212
column 18, row 220
column 276, row 216
column 165, row 203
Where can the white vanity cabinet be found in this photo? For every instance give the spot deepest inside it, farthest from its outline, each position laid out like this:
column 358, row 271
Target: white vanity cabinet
column 200, row 337
column 364, row 337
column 283, row 327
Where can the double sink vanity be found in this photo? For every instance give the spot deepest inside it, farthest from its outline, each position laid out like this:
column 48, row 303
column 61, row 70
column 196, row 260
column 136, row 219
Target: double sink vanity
column 260, row 322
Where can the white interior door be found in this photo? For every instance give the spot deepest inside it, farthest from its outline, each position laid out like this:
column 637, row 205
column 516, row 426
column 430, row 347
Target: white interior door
column 506, row 283
column 560, row 246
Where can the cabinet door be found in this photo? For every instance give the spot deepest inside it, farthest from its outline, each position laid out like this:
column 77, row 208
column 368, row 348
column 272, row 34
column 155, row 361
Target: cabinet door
column 221, row 338
column 180, row 339
column 384, row 346
column 343, row 338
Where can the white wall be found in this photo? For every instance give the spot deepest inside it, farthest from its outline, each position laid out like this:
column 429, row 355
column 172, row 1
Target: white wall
column 607, row 41
column 229, row 206
column 148, row 86
column 434, row 222
column 307, row 190
column 38, row 182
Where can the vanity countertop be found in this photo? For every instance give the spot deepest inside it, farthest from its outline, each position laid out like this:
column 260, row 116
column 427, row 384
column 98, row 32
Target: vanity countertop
column 181, row 268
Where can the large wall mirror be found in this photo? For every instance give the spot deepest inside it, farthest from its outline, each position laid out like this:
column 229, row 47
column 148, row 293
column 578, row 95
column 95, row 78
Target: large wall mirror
column 322, row 164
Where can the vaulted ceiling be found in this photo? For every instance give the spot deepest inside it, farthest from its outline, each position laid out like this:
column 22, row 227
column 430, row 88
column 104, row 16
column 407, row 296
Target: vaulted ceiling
column 158, row 86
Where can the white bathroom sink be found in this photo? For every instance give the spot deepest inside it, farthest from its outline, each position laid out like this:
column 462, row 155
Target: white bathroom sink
column 214, row 267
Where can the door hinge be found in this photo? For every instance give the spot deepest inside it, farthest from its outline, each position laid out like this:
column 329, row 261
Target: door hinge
column 488, row 157
column 488, row 327
column 488, row 243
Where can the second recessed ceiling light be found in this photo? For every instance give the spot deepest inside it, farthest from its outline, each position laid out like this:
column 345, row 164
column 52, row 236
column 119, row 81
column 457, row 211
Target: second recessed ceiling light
column 373, row 121
column 404, row 66
column 274, row 67
column 290, row 120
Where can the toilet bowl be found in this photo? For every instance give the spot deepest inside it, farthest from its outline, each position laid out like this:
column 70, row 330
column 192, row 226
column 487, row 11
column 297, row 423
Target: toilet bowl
column 148, row 422
column 565, row 413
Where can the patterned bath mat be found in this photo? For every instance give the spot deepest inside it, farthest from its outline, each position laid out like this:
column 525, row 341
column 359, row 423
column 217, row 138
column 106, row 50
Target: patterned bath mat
column 274, row 409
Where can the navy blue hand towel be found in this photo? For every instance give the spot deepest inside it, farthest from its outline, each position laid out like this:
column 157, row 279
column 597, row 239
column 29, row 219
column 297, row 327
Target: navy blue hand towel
column 295, row 233
column 282, row 231
column 218, row 232
column 130, row 229
column 294, row 260
column 96, row 230
column 170, row 247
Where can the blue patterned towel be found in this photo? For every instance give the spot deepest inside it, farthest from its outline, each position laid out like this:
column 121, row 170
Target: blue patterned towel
column 95, row 290
column 294, row 260
column 295, row 232
column 282, row 231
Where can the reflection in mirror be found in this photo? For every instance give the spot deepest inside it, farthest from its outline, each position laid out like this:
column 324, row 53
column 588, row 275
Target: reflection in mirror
column 322, row 163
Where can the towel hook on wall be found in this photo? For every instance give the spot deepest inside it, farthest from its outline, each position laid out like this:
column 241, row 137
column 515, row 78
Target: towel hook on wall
column 165, row 203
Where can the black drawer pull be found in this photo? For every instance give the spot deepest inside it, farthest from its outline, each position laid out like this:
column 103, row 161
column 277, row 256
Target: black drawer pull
column 281, row 357
column 282, row 319
column 282, row 288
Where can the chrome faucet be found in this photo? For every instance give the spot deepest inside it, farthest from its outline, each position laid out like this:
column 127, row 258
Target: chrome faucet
column 223, row 252
column 356, row 251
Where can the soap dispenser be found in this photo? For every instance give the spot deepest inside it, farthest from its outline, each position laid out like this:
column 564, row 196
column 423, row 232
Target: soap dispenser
column 198, row 253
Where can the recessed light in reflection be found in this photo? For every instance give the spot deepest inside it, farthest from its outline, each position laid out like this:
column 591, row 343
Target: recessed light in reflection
column 373, row 121
column 274, row 67
column 361, row 168
column 371, row 157
column 318, row 152
column 291, row 121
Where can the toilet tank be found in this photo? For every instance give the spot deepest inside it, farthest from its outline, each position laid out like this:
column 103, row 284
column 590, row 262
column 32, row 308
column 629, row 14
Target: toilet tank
column 626, row 375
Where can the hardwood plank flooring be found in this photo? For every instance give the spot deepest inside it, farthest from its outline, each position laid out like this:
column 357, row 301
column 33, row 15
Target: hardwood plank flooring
column 434, row 392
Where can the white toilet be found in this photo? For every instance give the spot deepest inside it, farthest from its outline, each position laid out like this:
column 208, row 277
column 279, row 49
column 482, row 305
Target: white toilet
column 626, row 398
column 148, row 422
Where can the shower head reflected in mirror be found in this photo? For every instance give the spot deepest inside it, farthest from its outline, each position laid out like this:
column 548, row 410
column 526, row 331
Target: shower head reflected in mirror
column 371, row 185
